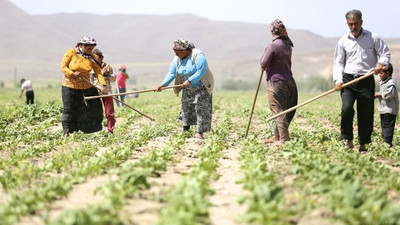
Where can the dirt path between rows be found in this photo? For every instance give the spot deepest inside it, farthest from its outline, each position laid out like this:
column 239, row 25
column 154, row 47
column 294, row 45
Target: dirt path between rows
column 281, row 166
column 145, row 210
column 83, row 195
column 225, row 206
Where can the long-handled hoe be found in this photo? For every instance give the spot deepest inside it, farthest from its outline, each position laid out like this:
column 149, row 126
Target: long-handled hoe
column 254, row 103
column 304, row 103
column 132, row 92
column 116, row 99
column 319, row 96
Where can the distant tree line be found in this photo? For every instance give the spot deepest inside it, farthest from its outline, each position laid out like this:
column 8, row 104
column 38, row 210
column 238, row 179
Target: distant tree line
column 315, row 84
column 311, row 84
column 238, row 85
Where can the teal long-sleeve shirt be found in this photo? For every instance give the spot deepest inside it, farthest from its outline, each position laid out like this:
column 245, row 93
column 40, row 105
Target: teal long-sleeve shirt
column 192, row 71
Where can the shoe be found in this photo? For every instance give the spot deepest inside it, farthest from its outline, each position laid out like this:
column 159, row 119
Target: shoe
column 362, row 150
column 199, row 136
column 350, row 144
column 272, row 140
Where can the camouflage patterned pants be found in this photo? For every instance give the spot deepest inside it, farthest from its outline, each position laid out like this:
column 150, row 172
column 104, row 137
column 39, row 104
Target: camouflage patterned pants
column 196, row 108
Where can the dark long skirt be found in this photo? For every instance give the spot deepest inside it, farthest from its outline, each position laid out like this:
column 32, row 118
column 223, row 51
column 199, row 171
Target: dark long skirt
column 196, row 108
column 79, row 115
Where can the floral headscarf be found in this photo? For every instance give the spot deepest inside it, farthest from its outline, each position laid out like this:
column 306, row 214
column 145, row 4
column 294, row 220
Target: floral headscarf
column 183, row 44
column 89, row 40
column 278, row 31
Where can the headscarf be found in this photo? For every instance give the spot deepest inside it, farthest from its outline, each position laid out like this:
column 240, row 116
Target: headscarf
column 278, row 31
column 98, row 52
column 89, row 40
column 183, row 44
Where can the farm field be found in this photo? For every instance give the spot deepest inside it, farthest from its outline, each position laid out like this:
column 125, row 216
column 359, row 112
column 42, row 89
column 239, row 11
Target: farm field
column 153, row 173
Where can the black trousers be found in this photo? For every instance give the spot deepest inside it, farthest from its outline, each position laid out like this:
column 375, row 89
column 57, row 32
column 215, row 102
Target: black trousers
column 387, row 123
column 29, row 97
column 362, row 92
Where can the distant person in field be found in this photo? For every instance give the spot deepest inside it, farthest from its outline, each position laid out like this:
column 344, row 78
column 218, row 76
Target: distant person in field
column 121, row 76
column 190, row 68
column 77, row 63
column 388, row 103
column 26, row 85
column 136, row 95
column 357, row 53
column 109, row 77
column 280, row 84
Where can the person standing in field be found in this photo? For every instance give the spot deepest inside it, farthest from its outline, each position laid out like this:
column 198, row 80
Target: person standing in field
column 357, row 53
column 77, row 63
column 26, row 85
column 109, row 77
column 190, row 68
column 121, row 76
column 280, row 84
column 388, row 103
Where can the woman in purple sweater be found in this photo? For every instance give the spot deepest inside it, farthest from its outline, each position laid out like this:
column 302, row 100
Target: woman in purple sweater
column 281, row 87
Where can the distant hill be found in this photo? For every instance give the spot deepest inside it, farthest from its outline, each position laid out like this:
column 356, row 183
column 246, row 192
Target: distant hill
column 33, row 46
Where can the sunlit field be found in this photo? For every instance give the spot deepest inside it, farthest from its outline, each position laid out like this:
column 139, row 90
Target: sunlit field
column 153, row 173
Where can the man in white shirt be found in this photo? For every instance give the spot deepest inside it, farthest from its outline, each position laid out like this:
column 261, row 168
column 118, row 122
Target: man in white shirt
column 357, row 53
column 27, row 87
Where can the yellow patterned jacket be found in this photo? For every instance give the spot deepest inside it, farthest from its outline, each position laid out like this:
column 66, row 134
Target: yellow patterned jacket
column 73, row 61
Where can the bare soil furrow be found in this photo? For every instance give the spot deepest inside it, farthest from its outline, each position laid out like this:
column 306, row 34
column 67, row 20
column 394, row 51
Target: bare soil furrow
column 83, row 195
column 145, row 209
column 227, row 191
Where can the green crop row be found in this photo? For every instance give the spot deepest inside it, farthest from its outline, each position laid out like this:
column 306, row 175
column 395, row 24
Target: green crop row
column 188, row 202
column 31, row 200
column 352, row 186
column 132, row 177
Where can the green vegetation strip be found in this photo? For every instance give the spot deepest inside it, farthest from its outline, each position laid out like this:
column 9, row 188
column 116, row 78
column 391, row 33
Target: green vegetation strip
column 265, row 202
column 188, row 203
column 17, row 173
column 29, row 201
column 132, row 177
column 364, row 167
column 347, row 184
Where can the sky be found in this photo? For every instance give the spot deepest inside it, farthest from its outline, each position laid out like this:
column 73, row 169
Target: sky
column 323, row 17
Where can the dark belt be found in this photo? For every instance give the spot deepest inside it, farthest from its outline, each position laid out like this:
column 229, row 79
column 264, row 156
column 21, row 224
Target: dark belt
column 353, row 76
